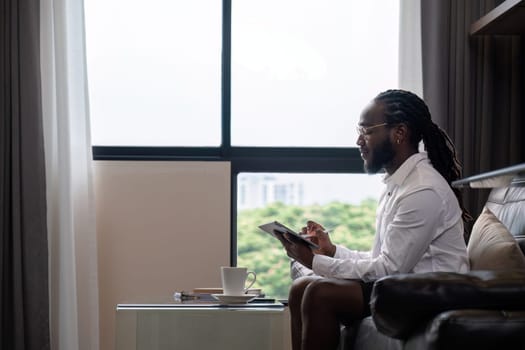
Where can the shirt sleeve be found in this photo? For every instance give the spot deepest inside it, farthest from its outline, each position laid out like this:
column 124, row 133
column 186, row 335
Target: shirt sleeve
column 299, row 270
column 345, row 253
column 405, row 240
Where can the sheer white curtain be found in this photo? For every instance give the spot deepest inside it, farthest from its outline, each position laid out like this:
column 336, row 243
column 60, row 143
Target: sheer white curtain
column 71, row 215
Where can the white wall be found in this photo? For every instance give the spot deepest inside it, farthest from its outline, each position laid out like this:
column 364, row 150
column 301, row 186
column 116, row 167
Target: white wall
column 162, row 226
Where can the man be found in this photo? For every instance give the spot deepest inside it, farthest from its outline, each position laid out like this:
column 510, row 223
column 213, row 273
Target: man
column 419, row 224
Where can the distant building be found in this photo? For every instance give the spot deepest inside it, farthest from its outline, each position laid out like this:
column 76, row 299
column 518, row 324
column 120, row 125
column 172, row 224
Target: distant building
column 255, row 191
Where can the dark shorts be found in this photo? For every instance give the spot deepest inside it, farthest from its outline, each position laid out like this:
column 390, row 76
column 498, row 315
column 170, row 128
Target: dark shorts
column 366, row 288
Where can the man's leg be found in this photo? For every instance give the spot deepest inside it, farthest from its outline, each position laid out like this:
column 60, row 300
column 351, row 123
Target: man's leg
column 295, row 299
column 326, row 303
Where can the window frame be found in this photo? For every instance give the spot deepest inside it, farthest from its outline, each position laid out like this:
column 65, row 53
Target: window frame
column 242, row 159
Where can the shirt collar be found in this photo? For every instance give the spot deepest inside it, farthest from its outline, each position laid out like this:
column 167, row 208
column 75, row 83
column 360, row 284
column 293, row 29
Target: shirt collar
column 406, row 168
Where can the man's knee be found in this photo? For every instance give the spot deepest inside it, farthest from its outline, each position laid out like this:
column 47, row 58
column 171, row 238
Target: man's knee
column 297, row 290
column 341, row 298
column 328, row 291
column 319, row 290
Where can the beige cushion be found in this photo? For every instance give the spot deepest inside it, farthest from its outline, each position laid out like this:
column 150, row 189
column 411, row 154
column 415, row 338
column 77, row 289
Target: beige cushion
column 492, row 247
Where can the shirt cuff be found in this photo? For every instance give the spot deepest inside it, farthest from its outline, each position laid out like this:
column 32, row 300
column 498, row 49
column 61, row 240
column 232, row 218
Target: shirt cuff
column 321, row 265
column 337, row 251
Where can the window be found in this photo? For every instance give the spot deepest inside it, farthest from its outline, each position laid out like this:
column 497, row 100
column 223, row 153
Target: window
column 154, row 72
column 344, row 203
column 301, row 75
column 274, row 87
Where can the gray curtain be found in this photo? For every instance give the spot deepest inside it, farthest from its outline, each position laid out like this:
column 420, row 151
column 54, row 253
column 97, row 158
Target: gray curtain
column 24, row 304
column 474, row 87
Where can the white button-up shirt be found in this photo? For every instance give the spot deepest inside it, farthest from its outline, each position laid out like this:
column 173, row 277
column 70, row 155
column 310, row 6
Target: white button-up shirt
column 418, row 229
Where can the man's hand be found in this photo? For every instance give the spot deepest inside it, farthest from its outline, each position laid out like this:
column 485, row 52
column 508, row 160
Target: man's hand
column 318, row 235
column 296, row 249
column 303, row 253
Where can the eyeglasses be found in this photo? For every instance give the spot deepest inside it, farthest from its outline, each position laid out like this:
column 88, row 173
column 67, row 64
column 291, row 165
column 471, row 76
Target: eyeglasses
column 365, row 130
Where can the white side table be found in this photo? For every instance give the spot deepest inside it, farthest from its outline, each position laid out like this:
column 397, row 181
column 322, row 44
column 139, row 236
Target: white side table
column 165, row 326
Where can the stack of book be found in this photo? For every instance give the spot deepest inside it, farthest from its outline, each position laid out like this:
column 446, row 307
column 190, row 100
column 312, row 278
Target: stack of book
column 212, row 296
column 207, row 294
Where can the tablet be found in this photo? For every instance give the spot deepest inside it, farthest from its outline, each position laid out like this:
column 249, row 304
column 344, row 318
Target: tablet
column 275, row 226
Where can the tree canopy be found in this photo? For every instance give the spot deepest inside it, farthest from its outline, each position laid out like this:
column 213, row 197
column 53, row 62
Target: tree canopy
column 352, row 226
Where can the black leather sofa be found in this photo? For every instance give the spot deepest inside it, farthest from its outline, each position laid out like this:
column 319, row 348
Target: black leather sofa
column 482, row 309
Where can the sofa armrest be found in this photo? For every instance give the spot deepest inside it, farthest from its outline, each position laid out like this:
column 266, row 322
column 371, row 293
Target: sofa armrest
column 486, row 329
column 402, row 303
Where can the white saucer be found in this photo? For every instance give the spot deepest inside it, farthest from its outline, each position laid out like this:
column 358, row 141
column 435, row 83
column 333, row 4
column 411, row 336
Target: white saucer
column 234, row 299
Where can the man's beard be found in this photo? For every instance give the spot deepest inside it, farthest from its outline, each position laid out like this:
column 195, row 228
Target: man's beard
column 380, row 157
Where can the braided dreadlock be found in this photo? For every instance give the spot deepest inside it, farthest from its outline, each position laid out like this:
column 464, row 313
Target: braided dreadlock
column 406, row 107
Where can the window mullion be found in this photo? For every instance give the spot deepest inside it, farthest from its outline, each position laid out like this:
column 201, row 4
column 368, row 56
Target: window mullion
column 226, row 79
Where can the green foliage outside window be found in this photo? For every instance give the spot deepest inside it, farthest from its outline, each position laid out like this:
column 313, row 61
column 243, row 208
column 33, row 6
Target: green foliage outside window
column 352, row 226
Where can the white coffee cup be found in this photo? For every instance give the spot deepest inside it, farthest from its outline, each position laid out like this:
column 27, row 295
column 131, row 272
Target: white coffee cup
column 234, row 280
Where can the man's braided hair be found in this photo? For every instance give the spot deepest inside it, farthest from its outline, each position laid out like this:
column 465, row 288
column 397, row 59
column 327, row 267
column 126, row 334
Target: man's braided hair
column 406, row 107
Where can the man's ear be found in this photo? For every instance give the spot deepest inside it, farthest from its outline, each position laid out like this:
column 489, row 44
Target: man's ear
column 401, row 133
